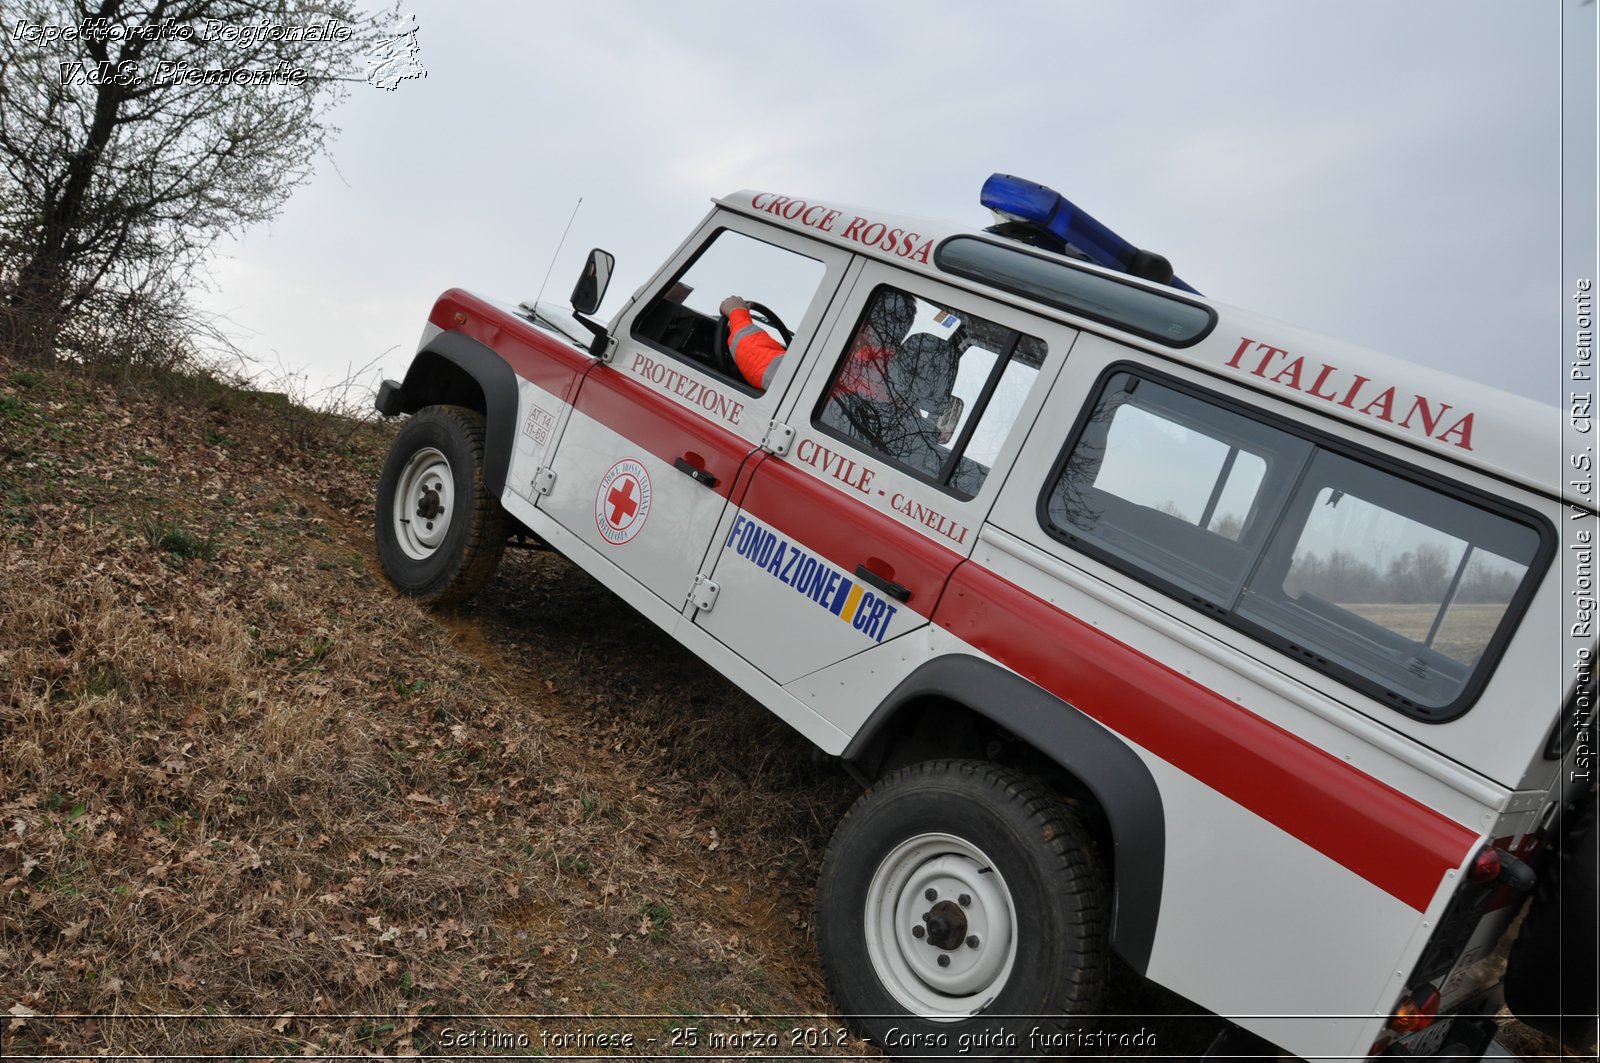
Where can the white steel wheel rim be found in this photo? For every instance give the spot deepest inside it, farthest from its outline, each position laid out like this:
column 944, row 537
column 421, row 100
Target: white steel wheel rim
column 898, row 902
column 424, row 500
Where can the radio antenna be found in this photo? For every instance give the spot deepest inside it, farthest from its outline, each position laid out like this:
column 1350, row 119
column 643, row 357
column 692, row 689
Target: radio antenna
column 553, row 257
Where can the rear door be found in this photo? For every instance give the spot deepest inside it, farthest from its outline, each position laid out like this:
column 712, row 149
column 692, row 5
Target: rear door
column 658, row 434
column 903, row 428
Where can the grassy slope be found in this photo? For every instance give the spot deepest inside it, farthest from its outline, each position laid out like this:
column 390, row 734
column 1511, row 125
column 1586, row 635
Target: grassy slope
column 240, row 776
column 251, row 802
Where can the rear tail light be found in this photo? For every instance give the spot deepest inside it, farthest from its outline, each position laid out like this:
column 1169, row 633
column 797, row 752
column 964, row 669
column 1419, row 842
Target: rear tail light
column 1416, row 1011
column 1486, row 866
column 1497, row 865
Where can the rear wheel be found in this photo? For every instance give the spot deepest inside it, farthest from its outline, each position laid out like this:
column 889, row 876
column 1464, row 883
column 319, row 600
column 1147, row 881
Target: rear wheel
column 960, row 904
column 440, row 532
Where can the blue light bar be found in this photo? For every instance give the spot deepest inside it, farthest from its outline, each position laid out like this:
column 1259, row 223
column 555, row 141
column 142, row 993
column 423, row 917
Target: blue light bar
column 1044, row 208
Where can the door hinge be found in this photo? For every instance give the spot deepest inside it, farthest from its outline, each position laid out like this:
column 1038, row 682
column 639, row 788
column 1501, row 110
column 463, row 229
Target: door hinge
column 779, row 438
column 703, row 595
column 544, row 480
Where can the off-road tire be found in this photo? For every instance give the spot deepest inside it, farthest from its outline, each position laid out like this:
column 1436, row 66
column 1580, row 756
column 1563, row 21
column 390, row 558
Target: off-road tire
column 962, row 828
column 443, row 540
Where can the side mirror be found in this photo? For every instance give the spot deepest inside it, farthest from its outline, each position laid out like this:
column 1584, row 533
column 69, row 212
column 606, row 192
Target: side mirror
column 591, row 286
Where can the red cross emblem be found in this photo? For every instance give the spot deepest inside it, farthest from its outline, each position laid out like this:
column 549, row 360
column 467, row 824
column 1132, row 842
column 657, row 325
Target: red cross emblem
column 622, row 501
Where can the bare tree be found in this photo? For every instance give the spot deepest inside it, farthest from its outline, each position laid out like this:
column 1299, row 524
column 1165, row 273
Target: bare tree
column 134, row 133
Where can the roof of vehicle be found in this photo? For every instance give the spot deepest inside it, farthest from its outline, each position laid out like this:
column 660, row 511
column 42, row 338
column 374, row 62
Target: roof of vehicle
column 1505, row 434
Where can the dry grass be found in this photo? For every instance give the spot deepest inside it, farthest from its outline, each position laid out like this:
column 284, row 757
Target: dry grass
column 1462, row 637
column 241, row 778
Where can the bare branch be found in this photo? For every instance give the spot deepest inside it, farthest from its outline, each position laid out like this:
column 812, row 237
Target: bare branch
column 122, row 161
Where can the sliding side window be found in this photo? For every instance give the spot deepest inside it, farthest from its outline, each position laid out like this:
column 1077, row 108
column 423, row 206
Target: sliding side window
column 1390, row 580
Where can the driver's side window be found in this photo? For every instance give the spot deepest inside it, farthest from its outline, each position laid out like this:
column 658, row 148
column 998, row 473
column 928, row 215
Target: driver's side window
column 682, row 319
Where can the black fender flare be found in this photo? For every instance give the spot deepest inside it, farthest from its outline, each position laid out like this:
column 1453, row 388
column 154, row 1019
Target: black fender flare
column 494, row 378
column 1103, row 762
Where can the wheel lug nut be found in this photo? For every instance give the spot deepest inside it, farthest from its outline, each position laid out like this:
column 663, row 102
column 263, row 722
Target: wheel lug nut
column 931, row 894
column 944, row 960
column 917, row 931
column 972, row 942
column 965, row 900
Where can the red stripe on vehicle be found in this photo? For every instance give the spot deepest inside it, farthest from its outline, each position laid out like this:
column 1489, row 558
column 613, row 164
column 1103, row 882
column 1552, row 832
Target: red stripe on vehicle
column 1393, row 841
column 783, row 497
column 661, row 426
column 532, row 354
column 809, row 511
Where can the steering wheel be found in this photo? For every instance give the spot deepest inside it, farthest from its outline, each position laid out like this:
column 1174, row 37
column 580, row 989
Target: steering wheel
column 722, row 357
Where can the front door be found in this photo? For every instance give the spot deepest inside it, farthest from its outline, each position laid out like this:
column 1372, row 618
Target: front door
column 657, row 435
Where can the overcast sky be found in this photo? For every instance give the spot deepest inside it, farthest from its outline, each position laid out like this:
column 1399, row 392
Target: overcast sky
column 1385, row 173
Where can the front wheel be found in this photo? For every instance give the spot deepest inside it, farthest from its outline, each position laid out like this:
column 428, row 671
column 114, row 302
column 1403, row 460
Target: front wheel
column 961, row 906
column 440, row 532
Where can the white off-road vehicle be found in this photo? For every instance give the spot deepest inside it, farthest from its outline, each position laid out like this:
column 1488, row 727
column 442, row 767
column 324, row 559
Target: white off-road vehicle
column 1153, row 627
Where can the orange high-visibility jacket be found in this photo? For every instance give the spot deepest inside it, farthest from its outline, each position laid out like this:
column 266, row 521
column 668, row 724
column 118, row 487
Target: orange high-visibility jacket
column 754, row 352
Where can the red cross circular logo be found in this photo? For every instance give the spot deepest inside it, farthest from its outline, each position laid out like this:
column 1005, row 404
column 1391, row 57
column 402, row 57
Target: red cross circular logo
column 623, row 502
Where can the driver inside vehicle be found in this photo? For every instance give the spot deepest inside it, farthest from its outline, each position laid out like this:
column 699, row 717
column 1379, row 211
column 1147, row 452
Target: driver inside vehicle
column 754, row 351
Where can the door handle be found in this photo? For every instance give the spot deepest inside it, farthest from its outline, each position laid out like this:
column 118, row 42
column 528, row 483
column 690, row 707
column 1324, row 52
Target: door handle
column 694, row 472
column 898, row 591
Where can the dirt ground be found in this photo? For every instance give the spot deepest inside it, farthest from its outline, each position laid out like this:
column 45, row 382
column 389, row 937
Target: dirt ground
column 254, row 804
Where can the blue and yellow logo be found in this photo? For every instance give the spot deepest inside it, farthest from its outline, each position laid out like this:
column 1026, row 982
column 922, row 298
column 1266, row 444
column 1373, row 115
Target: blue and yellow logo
column 811, row 576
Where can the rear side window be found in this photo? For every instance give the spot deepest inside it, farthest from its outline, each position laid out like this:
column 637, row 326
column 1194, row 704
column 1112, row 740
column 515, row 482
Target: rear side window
column 1173, row 486
column 934, row 389
column 1398, row 586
